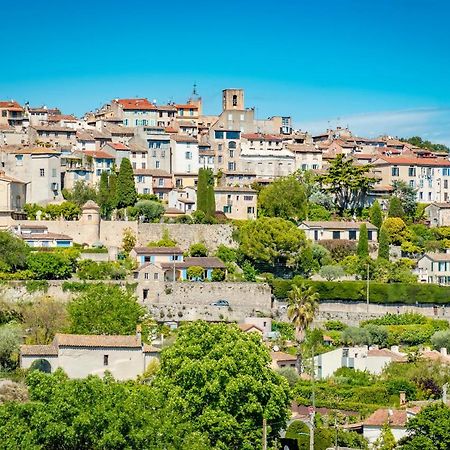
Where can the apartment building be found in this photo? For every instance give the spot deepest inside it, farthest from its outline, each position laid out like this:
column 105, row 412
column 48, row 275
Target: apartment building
column 157, row 141
column 55, row 135
column 238, row 203
column 430, row 176
column 11, row 113
column 153, row 181
column 307, row 156
column 184, row 159
column 39, row 167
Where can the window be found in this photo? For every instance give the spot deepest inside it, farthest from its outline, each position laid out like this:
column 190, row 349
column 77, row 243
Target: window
column 248, row 198
column 105, row 360
column 234, row 100
column 230, row 117
column 134, row 165
column 231, row 153
column 445, row 184
column 19, row 160
column 146, row 276
column 250, row 210
column 242, row 117
column 157, row 164
column 395, row 171
column 411, row 171
column 412, row 183
column 352, row 235
column 227, row 209
column 219, row 159
column 42, row 172
column 146, row 191
column 4, row 113
column 233, row 134
column 445, row 172
column 156, row 276
column 336, row 234
column 232, row 144
column 220, row 147
column 161, row 182
column 218, row 134
column 231, row 166
column 143, row 165
column 188, row 155
column 369, row 235
column 140, row 178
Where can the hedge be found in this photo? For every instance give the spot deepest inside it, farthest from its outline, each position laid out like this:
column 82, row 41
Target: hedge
column 355, row 291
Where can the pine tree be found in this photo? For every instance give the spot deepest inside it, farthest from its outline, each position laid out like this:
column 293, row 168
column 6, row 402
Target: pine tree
column 363, row 242
column 126, row 189
column 383, row 244
column 104, row 195
column 396, row 208
column 376, row 215
column 205, row 193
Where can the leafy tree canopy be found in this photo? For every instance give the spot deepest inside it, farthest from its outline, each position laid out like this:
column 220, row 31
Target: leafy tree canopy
column 126, row 194
column 14, row 252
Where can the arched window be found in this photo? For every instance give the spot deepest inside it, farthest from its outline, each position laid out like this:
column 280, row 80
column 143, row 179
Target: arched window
column 235, row 100
column 232, row 144
column 42, row 365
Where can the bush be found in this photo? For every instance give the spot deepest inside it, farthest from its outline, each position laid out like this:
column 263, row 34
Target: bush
column 49, row 266
column 441, row 339
column 339, row 249
column 356, row 336
column 408, row 318
column 91, row 270
column 286, row 330
column 331, row 273
column 198, row 249
column 36, row 285
column 226, row 254
column 195, row 273
column 335, row 325
column 218, row 275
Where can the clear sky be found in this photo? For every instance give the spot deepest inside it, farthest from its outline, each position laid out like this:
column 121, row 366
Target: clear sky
column 380, row 66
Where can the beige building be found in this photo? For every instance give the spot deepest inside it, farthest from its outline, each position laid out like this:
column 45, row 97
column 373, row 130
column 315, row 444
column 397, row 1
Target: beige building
column 11, row 113
column 239, row 203
column 320, row 231
column 38, row 167
column 434, row 268
column 430, row 176
column 438, row 214
column 153, row 181
column 307, row 156
column 12, row 193
column 125, row 357
column 55, row 135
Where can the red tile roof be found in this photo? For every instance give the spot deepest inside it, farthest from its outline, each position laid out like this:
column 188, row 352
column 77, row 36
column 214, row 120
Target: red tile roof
column 413, row 161
column 261, row 137
column 397, row 418
column 136, row 104
column 80, row 340
column 12, row 106
column 98, row 154
column 118, row 146
column 188, row 106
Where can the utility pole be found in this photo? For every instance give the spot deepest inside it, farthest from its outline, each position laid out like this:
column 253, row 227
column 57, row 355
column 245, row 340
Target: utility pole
column 264, row 434
column 367, row 289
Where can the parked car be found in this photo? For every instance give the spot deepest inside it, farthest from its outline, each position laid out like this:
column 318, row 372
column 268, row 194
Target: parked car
column 221, row 303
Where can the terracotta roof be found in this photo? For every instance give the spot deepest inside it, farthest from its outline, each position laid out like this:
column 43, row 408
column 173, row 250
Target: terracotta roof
column 55, row 128
column 119, row 129
column 80, row 340
column 437, row 256
column 25, row 150
column 173, row 211
column 90, row 204
column 398, row 418
column 158, row 250
column 7, row 178
column 440, row 205
column 64, row 117
column 152, row 172
column 412, row 161
column 388, row 354
column 147, row 348
column 189, row 201
column 44, row 236
column 99, row 154
column 41, row 350
column 136, row 104
column 210, row 262
column 338, row 225
column 261, row 137
column 11, row 105
column 166, row 108
column 183, row 138
column 248, row 326
column 118, row 146
column 303, row 148
column 282, row 356
column 187, row 106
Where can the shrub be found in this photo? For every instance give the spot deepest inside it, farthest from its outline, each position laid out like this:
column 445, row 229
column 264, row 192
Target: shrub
column 49, row 266
column 331, row 273
column 198, row 249
column 335, row 325
column 408, row 318
column 339, row 249
column 286, row 330
column 91, row 270
column 165, row 241
column 195, row 273
column 36, row 285
column 356, row 336
column 218, row 275
column 226, row 254
column 441, row 339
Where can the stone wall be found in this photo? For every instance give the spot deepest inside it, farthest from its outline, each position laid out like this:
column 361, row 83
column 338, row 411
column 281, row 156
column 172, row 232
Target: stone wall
column 185, row 235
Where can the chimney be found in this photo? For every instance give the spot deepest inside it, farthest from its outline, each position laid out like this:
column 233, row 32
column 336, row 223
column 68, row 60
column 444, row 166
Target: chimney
column 444, row 351
column 139, row 333
column 402, row 398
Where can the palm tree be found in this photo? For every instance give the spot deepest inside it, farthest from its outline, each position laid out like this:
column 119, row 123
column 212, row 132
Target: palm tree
column 303, row 305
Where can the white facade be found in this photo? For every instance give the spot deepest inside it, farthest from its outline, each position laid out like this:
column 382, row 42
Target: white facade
column 185, row 158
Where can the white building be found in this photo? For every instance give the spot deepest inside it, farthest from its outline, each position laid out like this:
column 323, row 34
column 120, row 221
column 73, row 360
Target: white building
column 184, row 154
column 125, row 357
column 434, row 268
column 358, row 358
column 326, row 230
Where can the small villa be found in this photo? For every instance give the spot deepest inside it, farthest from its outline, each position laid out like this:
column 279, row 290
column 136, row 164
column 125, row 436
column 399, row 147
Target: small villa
column 144, row 255
column 39, row 236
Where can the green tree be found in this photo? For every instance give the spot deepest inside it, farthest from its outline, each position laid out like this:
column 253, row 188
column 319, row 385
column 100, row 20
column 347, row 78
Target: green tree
column 198, row 249
column 149, row 210
column 105, row 309
column 205, row 193
column 272, row 241
column 10, row 337
column 441, row 339
column 105, row 196
column 407, row 196
column 218, row 275
column 397, row 230
column 81, row 193
column 348, row 182
column 94, row 414
column 165, row 241
column 195, row 273
column 112, row 183
column 226, row 254
column 126, row 189
column 363, row 242
column 383, row 244
column 128, row 240
column 69, row 210
column 284, row 198
column 14, row 252
column 376, row 215
column 331, row 272
column 249, row 271
column 429, row 430
column 396, row 208
column 50, row 266
column 222, row 381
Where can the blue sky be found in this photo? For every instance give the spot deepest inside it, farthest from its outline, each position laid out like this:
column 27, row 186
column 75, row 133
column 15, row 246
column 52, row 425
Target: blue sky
column 380, row 66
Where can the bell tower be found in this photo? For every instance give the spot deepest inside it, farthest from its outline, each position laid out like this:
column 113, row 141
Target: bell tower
column 233, row 99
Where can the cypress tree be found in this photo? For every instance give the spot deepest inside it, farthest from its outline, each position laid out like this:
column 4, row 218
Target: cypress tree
column 112, row 184
column 383, row 244
column 126, row 189
column 376, row 216
column 363, row 243
column 103, row 195
column 205, row 192
column 396, row 208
